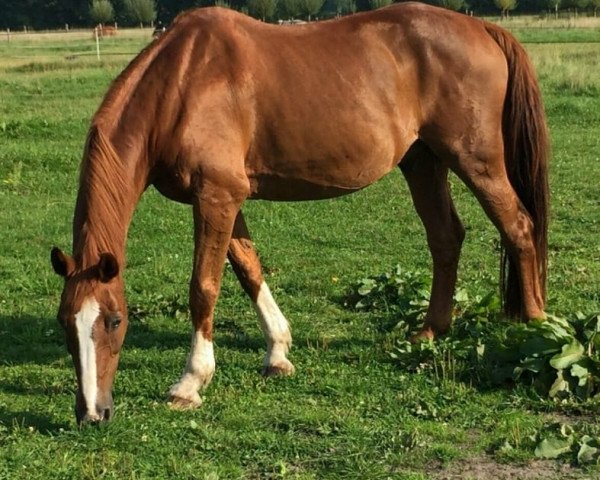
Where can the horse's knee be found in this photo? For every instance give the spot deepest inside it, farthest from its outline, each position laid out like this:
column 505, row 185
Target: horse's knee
column 203, row 297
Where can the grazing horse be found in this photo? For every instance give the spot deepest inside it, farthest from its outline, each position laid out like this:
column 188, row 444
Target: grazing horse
column 104, row 31
column 223, row 108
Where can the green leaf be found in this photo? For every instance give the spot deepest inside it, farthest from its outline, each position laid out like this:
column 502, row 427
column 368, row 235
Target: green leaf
column 581, row 372
column 587, row 454
column 570, row 354
column 532, row 364
column 360, row 305
column 559, row 385
column 553, row 447
column 538, row 344
column 559, row 326
column 461, row 296
column 506, row 447
column 366, row 286
column 566, row 430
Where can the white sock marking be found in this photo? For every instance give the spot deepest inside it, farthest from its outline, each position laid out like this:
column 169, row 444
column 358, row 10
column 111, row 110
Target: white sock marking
column 274, row 325
column 84, row 321
column 199, row 369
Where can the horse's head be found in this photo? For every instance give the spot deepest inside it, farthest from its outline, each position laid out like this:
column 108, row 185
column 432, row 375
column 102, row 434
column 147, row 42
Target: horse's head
column 93, row 314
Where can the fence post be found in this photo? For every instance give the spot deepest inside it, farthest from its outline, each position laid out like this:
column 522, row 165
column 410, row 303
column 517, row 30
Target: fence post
column 8, row 35
column 97, row 43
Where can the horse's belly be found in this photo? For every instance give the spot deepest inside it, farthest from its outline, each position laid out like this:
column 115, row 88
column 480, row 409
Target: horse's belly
column 274, row 187
column 318, row 179
column 317, row 168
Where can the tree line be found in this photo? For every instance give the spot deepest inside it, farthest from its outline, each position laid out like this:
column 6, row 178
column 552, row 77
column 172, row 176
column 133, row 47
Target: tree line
column 60, row 14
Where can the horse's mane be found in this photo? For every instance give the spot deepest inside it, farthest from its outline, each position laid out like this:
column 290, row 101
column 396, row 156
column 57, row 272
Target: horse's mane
column 103, row 200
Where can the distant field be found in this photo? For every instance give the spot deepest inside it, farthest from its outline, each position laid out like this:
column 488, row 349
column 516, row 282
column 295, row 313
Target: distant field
column 71, row 49
column 349, row 412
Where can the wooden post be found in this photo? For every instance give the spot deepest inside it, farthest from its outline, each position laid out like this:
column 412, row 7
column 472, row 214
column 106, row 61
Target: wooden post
column 8, row 35
column 97, row 43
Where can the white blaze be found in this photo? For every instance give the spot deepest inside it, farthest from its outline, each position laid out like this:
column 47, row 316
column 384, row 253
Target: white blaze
column 84, row 321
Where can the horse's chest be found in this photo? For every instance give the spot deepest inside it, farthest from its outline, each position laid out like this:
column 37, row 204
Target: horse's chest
column 175, row 185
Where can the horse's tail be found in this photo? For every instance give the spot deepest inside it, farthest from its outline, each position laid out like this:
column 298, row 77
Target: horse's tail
column 526, row 150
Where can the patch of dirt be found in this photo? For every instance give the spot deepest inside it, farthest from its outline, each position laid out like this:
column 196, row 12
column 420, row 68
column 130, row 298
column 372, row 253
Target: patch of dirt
column 485, row 468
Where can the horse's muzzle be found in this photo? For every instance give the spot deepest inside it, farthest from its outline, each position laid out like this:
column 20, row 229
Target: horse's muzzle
column 103, row 413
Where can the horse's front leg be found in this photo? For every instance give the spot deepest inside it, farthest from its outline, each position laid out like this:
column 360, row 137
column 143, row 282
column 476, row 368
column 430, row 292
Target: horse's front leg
column 215, row 209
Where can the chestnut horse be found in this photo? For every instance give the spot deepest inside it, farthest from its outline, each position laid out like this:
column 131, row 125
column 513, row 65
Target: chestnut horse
column 223, row 108
column 104, row 31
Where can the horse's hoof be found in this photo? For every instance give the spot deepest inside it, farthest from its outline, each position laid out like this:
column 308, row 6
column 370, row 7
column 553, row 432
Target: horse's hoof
column 282, row 368
column 179, row 403
column 425, row 335
column 540, row 317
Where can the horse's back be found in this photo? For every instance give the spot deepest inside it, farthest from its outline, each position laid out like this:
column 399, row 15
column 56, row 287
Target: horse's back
column 327, row 107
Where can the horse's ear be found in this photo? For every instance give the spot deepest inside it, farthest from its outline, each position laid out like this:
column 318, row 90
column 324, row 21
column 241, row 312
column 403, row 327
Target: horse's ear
column 62, row 263
column 108, row 267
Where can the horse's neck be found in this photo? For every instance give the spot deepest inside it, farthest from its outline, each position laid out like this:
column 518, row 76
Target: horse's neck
column 115, row 168
column 109, row 188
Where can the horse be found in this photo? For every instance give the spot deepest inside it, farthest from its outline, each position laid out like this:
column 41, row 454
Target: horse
column 223, row 108
column 102, row 31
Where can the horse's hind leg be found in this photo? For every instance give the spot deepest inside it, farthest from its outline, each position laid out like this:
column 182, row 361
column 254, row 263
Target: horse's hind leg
column 427, row 179
column 486, row 176
column 276, row 330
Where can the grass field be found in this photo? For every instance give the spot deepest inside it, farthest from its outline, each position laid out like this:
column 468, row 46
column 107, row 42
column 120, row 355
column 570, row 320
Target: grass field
column 350, row 411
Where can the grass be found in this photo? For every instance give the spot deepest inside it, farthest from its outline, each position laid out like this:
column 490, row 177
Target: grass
column 349, row 412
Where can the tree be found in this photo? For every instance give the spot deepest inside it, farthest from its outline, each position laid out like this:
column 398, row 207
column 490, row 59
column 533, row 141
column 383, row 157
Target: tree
column 505, row 6
column 141, row 11
column 453, row 4
column 101, row 11
column 290, row 8
column 344, row 6
column 262, row 9
column 580, row 5
column 595, row 4
column 311, row 7
column 379, row 3
column 554, row 5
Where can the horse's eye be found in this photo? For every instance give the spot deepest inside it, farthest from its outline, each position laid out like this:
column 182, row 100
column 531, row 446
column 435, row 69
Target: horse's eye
column 113, row 322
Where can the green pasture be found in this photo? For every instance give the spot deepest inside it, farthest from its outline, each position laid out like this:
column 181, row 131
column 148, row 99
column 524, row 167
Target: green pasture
column 352, row 411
